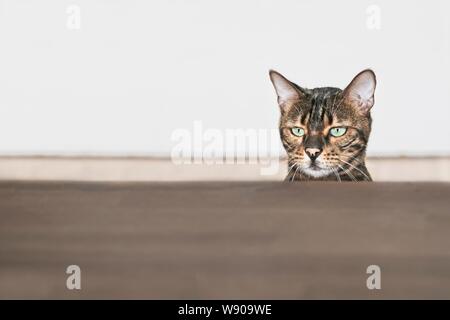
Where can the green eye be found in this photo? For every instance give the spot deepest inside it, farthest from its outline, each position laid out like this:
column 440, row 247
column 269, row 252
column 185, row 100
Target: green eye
column 338, row 132
column 298, row 132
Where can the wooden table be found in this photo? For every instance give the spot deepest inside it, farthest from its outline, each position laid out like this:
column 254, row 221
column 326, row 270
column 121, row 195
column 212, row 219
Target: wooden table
column 224, row 240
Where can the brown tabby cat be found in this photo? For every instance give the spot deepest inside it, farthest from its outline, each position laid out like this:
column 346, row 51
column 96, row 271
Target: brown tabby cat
column 325, row 130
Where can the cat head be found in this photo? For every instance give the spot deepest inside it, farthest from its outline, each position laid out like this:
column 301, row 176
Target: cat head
column 322, row 129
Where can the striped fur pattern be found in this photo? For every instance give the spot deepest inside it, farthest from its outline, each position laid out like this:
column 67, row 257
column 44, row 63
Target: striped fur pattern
column 317, row 154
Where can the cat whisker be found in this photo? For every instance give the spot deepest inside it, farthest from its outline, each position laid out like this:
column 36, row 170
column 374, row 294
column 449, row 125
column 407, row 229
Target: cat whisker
column 348, row 173
column 336, row 174
column 291, row 167
column 295, row 173
column 335, row 108
column 334, row 100
column 297, row 157
column 289, row 145
column 365, row 175
column 355, row 159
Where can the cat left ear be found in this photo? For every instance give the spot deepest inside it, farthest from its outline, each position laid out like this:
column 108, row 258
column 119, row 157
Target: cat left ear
column 286, row 90
column 360, row 92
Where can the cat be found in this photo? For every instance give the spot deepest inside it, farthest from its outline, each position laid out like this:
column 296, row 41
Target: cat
column 325, row 131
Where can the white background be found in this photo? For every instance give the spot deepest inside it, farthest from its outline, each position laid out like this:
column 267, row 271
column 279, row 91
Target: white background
column 138, row 70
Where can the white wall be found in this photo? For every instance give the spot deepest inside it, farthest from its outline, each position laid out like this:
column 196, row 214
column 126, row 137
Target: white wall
column 138, row 70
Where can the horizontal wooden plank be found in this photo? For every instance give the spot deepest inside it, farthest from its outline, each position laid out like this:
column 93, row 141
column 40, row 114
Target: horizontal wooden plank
column 224, row 239
column 94, row 168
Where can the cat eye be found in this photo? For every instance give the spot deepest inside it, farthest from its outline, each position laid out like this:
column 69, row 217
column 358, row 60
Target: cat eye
column 298, row 131
column 338, row 131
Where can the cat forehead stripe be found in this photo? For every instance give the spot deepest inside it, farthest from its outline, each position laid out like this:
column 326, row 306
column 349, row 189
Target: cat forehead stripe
column 318, row 102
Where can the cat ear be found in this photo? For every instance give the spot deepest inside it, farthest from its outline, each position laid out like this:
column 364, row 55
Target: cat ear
column 360, row 92
column 286, row 90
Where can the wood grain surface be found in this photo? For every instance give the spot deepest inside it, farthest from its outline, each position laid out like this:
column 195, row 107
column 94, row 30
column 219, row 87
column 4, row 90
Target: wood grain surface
column 224, row 240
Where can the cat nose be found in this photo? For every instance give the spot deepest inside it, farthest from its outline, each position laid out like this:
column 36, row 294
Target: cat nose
column 313, row 153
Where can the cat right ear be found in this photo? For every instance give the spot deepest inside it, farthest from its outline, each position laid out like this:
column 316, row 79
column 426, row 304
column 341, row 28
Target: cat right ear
column 286, row 90
column 360, row 92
